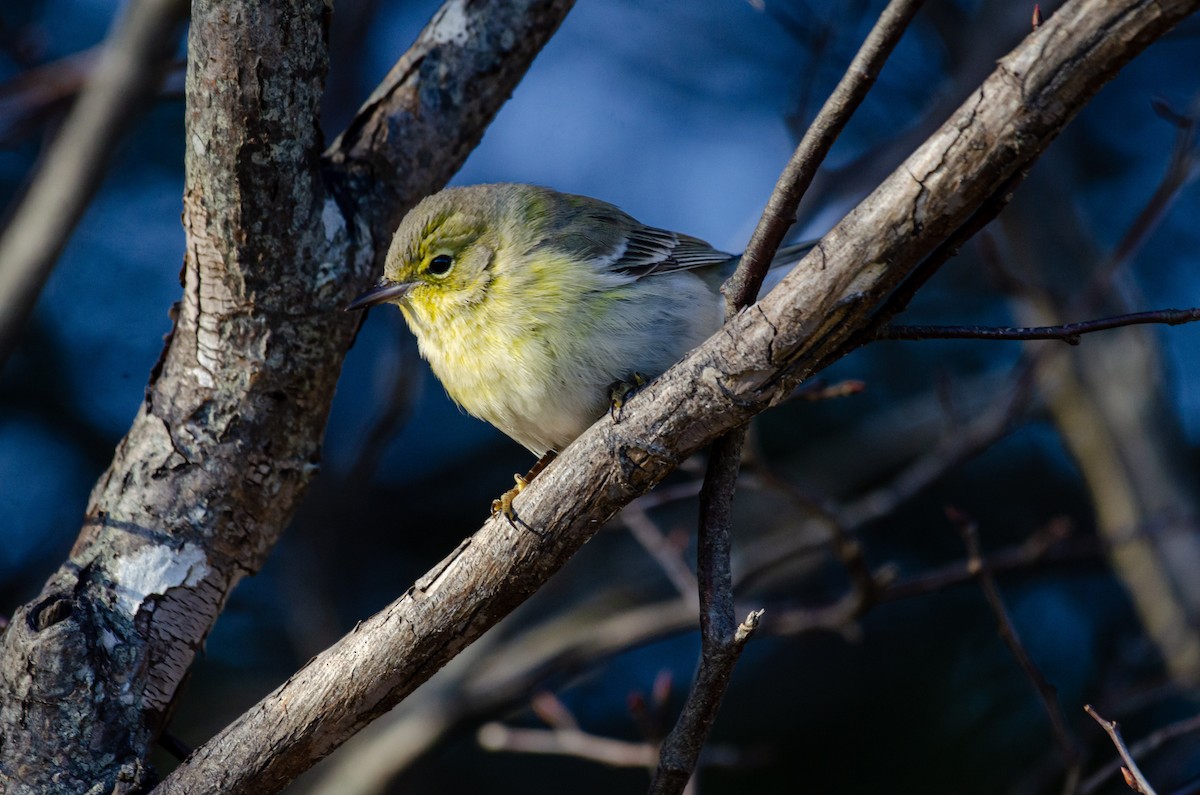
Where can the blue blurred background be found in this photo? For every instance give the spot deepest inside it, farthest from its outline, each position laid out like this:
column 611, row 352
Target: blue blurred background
column 683, row 113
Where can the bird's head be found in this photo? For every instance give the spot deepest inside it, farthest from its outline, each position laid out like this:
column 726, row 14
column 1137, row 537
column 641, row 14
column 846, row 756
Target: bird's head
column 442, row 255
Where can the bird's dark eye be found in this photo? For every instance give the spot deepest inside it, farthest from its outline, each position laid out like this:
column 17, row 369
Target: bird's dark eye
column 441, row 264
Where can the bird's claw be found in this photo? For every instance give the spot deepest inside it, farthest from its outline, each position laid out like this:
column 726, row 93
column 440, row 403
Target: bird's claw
column 504, row 505
column 620, row 392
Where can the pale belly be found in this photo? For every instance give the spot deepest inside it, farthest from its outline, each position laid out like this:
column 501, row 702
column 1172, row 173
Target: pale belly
column 544, row 387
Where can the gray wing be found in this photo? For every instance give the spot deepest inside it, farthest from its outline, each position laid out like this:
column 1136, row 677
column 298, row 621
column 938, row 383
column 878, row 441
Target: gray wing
column 651, row 250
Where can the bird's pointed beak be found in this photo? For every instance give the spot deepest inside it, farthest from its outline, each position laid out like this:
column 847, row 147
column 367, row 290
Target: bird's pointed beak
column 380, row 293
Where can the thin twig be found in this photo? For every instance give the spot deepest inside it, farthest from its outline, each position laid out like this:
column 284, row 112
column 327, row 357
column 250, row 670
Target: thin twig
column 985, row 429
column 1146, row 745
column 1008, row 633
column 1069, row 333
column 568, row 742
column 659, row 546
column 553, row 711
column 721, row 639
column 817, row 389
column 594, row 747
column 1133, row 774
column 1182, row 167
column 651, row 714
column 1050, row 544
column 842, row 539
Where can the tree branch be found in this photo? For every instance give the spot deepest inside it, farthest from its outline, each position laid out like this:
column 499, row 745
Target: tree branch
column 752, row 364
column 1069, row 333
column 1047, row 693
column 430, row 111
column 1142, row 747
column 128, row 73
column 1132, row 773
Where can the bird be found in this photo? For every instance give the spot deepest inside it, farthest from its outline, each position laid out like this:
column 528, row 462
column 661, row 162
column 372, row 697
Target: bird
column 540, row 311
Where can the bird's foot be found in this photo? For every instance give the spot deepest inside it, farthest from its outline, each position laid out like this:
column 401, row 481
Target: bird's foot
column 620, row 392
column 504, row 505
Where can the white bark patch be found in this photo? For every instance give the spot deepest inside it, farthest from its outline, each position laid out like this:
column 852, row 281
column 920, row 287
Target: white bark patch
column 153, row 570
column 332, row 220
column 451, row 27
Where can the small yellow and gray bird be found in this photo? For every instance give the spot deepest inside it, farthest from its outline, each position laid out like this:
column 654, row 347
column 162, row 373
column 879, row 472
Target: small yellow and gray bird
column 530, row 304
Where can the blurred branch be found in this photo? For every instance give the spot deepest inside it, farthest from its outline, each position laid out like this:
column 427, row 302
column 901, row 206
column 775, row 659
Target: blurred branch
column 1182, row 168
column 1108, row 404
column 1048, row 545
column 958, row 445
column 842, row 539
column 1069, row 333
column 567, row 742
column 668, row 555
column 817, row 389
column 721, row 638
column 29, row 97
column 567, row 739
column 127, row 75
column 1047, row 693
column 32, row 98
column 1132, row 773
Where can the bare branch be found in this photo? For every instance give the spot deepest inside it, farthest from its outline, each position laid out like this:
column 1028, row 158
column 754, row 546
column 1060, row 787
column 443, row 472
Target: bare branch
column 1147, row 744
column 128, row 73
column 551, row 710
column 1047, row 692
column 567, row 742
column 667, row 555
column 1048, row 544
column 1133, row 774
column 1069, row 333
column 1182, row 168
column 721, row 639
